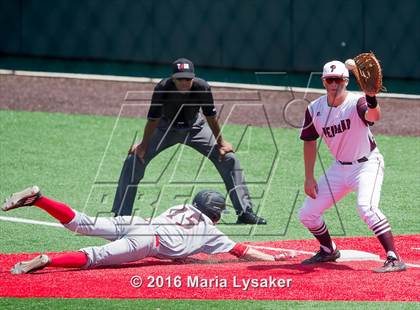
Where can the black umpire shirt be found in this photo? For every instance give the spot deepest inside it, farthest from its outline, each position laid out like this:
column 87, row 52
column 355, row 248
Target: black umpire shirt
column 171, row 105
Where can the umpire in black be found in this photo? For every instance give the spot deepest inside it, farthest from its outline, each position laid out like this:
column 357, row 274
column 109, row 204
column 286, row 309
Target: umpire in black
column 174, row 117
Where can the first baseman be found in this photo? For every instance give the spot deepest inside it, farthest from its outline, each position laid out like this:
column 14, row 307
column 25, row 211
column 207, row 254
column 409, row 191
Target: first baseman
column 179, row 232
column 174, row 117
column 342, row 120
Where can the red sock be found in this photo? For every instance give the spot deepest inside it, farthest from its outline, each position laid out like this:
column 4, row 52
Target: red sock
column 58, row 210
column 69, row 260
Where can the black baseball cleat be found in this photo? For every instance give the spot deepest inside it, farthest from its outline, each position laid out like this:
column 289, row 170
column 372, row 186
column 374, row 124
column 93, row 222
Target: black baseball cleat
column 391, row 264
column 250, row 217
column 27, row 197
column 322, row 256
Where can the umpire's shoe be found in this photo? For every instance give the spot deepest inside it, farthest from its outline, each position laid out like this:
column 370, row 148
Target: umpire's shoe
column 391, row 264
column 322, row 256
column 27, row 197
column 249, row 217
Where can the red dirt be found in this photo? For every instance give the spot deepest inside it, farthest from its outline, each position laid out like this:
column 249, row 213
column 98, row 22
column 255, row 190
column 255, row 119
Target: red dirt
column 329, row 281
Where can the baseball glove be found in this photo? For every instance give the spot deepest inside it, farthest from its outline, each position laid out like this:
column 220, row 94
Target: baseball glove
column 368, row 73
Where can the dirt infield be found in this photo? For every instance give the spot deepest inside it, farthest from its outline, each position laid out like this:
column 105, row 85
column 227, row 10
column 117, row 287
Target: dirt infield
column 221, row 277
column 259, row 108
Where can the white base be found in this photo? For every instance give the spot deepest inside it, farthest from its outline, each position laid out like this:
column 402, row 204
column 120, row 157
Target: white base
column 353, row 255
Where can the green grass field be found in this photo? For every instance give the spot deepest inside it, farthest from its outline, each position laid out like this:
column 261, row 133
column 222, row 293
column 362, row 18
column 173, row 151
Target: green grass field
column 75, row 159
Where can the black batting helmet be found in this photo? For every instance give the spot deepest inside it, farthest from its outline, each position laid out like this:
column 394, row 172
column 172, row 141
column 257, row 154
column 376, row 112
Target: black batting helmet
column 211, row 203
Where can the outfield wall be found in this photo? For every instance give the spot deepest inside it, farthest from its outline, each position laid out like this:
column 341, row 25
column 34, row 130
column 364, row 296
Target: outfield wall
column 275, row 35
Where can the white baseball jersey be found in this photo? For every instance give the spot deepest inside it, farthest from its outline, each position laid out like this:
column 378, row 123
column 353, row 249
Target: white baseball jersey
column 183, row 230
column 344, row 128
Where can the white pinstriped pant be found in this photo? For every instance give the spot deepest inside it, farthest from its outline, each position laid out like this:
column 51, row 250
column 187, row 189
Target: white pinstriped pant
column 365, row 179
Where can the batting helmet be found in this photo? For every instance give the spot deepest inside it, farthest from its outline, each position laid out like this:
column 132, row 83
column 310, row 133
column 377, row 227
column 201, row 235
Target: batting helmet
column 211, row 203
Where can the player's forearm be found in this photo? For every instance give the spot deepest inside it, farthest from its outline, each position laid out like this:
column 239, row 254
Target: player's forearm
column 215, row 128
column 373, row 113
column 244, row 251
column 149, row 128
column 255, row 255
column 309, row 154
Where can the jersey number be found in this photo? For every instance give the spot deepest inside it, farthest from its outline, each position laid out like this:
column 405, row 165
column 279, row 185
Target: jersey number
column 185, row 217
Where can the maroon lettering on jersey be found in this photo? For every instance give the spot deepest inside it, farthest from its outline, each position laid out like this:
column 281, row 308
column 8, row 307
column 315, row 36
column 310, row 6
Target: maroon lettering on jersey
column 326, row 131
column 341, row 127
column 343, row 124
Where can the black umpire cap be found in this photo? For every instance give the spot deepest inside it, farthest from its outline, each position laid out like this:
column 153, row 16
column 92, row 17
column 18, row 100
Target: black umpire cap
column 183, row 68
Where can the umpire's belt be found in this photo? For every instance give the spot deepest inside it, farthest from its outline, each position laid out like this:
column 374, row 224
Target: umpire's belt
column 166, row 122
column 360, row 160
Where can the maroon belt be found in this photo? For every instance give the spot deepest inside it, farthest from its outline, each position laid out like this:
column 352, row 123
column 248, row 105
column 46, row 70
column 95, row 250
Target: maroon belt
column 360, row 160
